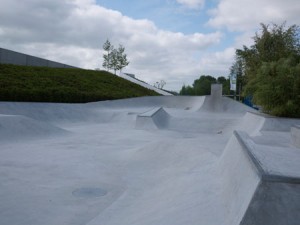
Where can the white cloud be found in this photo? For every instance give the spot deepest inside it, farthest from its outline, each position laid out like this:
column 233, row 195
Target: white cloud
column 214, row 63
column 244, row 17
column 236, row 15
column 73, row 31
column 192, row 4
column 246, row 38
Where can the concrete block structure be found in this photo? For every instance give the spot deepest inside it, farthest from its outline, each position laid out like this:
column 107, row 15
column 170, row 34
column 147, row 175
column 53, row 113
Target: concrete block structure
column 17, row 58
column 295, row 134
column 216, row 90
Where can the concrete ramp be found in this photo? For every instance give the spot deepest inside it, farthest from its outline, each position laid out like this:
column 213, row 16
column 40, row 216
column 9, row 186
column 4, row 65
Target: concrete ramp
column 145, row 161
column 279, row 124
column 252, row 123
column 192, row 103
column 59, row 113
column 239, row 180
column 156, row 118
column 15, row 127
column 215, row 102
column 255, row 123
column 261, row 183
column 224, row 104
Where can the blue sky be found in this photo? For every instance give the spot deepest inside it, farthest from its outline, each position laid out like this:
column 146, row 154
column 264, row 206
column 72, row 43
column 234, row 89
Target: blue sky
column 171, row 40
column 170, row 15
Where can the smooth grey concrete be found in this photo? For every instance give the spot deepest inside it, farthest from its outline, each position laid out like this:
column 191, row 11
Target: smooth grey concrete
column 274, row 203
column 277, row 197
column 216, row 90
column 24, row 128
column 156, row 118
column 17, row 58
column 275, row 163
column 143, row 84
column 94, row 164
column 295, row 135
column 240, row 179
column 11, row 57
column 219, row 104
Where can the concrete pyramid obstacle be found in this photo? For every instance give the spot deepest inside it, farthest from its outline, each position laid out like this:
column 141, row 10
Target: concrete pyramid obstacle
column 156, row 118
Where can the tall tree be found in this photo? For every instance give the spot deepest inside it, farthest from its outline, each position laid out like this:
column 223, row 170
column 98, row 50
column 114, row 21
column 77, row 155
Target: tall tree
column 107, row 57
column 186, row 90
column 114, row 59
column 226, row 85
column 160, row 84
column 122, row 58
column 203, row 84
column 269, row 69
column 277, row 87
column 236, row 73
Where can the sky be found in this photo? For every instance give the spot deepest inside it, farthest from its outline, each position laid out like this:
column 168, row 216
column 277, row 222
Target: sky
column 172, row 40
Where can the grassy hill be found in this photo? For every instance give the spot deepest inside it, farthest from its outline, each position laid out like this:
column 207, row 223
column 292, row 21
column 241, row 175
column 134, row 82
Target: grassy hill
column 43, row 84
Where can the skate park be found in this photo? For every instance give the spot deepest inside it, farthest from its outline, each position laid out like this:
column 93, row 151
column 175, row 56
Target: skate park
column 168, row 160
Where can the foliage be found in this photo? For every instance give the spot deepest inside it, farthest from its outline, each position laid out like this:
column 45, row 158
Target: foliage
column 121, row 59
column 160, row 84
column 277, row 87
column 114, row 59
column 43, row 84
column 186, row 90
column 226, row 85
column 202, row 86
column 268, row 69
column 107, row 57
column 236, row 72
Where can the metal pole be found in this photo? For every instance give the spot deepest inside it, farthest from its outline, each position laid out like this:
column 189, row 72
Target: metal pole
column 240, row 92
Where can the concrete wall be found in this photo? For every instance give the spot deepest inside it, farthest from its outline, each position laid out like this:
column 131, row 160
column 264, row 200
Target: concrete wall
column 216, row 90
column 295, row 134
column 16, row 58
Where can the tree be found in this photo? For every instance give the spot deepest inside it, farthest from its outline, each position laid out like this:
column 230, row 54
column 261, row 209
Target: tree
column 270, row 71
column 226, row 85
column 277, row 87
column 160, row 84
column 122, row 58
column 186, row 90
column 114, row 59
column 236, row 73
column 202, row 85
column 108, row 47
column 114, row 62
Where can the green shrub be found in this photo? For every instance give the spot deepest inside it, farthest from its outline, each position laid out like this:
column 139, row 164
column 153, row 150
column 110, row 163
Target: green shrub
column 277, row 87
column 42, row 84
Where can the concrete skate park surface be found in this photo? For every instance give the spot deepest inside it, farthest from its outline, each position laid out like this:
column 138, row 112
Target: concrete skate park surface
column 147, row 161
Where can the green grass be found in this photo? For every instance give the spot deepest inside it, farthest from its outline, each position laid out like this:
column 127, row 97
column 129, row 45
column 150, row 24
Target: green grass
column 43, row 84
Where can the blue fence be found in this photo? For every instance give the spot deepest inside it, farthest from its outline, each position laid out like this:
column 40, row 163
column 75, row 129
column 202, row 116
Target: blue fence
column 17, row 58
